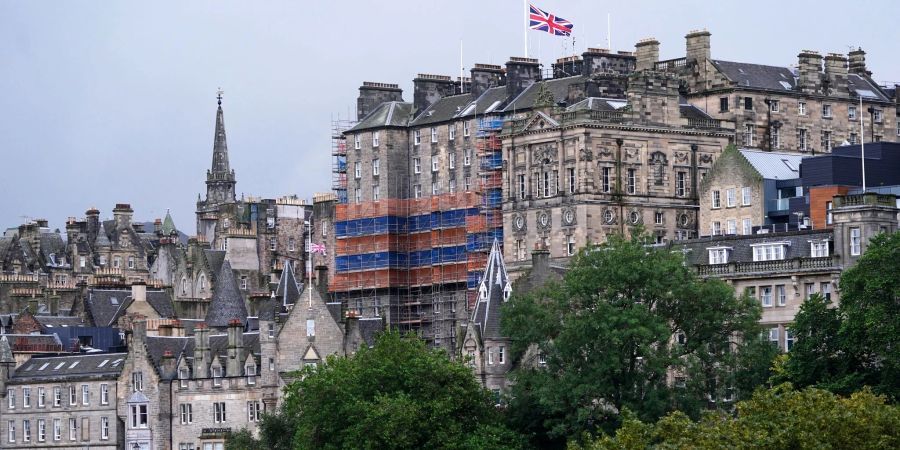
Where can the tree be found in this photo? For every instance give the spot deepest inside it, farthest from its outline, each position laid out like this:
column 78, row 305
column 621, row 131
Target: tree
column 855, row 344
column 625, row 317
column 275, row 433
column 396, row 395
column 774, row 419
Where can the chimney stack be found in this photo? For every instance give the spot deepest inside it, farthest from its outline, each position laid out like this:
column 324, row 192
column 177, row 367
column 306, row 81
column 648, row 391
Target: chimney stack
column 520, row 74
column 235, row 348
column 810, row 71
column 485, row 76
column 568, row 66
column 428, row 89
column 540, row 260
column 139, row 291
column 647, row 53
column 138, row 335
column 122, row 213
column 697, row 46
column 603, row 61
column 858, row 62
column 168, row 363
column 202, row 355
column 92, row 217
column 836, row 73
column 372, row 94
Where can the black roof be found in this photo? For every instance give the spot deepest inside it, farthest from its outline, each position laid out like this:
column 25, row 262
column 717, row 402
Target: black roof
column 183, row 346
column 492, row 292
column 227, row 302
column 559, row 87
column 758, row 75
column 442, row 110
column 695, row 250
column 288, row 291
column 369, row 329
column 106, row 305
column 38, row 368
column 388, row 114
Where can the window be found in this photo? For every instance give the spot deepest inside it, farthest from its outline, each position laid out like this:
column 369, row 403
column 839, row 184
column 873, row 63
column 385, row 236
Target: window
column 818, row 249
column 765, row 295
column 324, row 228
column 26, row 430
column 292, row 244
column 501, row 354
column 826, row 111
column 219, row 412
column 801, row 138
column 854, row 138
column 723, row 104
column 376, row 166
column 825, row 288
column 57, row 396
column 466, row 129
column 254, row 411
column 789, row 339
column 356, row 142
column 271, row 331
column 104, row 428
column 271, row 364
column 433, row 135
column 747, row 226
column 545, row 183
column 139, row 416
column 570, row 245
column 217, row 376
column 680, row 178
column 718, row 255
column 632, row 181
column 607, row 171
column 490, row 352
column 731, row 197
column 851, row 113
column 775, row 135
column 183, row 376
column 746, row 194
column 435, row 187
column 521, row 184
column 85, row 394
column 357, row 170
column 187, row 413
column 658, row 218
column 42, row 430
column 40, row 397
column 73, row 429
column 375, row 138
column 435, row 163
column 571, row 177
column 451, row 160
column 82, row 261
column 773, row 336
column 357, row 194
column 310, row 327
column 467, row 157
column 826, row 140
column 376, row 192
column 879, row 116
column 782, row 296
column 131, row 262
column 377, row 307
column 467, row 183
column 117, row 262
column 57, row 429
column 801, row 108
column 716, row 228
column 748, row 103
column 810, row 290
column 451, row 131
column 829, row 218
column 26, row 397
column 417, row 137
column 731, row 226
column 748, row 135
column 898, row 128
column 11, row 430
column 11, row 398
column 768, row 252
column 716, row 199
column 855, row 241
column 273, row 244
column 773, row 105
column 417, row 191
column 73, row 396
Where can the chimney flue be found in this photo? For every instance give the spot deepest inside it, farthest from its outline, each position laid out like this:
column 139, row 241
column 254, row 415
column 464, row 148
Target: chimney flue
column 428, row 89
column 647, row 53
column 520, row 74
column 372, row 94
column 486, row 76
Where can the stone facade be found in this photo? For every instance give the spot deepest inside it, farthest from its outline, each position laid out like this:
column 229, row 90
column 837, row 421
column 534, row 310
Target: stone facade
column 731, row 197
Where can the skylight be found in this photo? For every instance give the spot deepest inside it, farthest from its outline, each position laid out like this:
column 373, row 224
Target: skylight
column 60, row 365
column 493, row 106
column 44, row 366
column 114, row 300
column 469, row 109
column 103, row 363
column 116, row 362
column 73, row 365
column 785, row 84
column 789, row 165
column 866, row 93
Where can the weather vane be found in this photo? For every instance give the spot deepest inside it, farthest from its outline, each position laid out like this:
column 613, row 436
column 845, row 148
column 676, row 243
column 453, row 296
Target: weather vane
column 219, row 93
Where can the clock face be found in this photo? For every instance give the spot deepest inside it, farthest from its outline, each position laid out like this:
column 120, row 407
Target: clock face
column 545, row 219
column 608, row 216
column 569, row 216
column 520, row 222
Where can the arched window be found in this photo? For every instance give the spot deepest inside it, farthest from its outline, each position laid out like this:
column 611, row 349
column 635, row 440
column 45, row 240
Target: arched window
column 183, row 285
column 201, row 283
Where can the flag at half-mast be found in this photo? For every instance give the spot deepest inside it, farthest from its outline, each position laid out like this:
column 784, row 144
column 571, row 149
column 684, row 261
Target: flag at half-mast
column 317, row 248
column 543, row 21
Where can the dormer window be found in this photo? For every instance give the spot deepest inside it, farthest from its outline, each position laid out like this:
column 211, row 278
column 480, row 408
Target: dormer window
column 250, row 370
column 482, row 293
column 769, row 251
column 183, row 375
column 818, row 249
column 507, row 291
column 202, row 282
column 719, row 255
column 217, row 376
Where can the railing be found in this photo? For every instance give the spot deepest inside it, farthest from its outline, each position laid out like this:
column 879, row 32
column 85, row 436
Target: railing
column 704, row 123
column 614, row 116
column 780, row 204
column 19, row 278
column 782, row 265
column 868, row 198
column 670, row 64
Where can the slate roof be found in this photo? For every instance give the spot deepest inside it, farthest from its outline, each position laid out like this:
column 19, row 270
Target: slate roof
column 442, row 110
column 861, row 86
column 214, row 258
column 107, row 305
column 28, row 342
column 388, row 114
column 559, row 87
column 488, row 98
column 597, row 104
column 369, row 329
column 692, row 112
column 52, row 244
column 60, row 321
column 183, row 346
column 168, row 225
column 288, row 291
column 758, row 75
column 696, row 253
column 774, row 165
column 5, row 244
column 492, row 292
column 105, row 365
column 227, row 302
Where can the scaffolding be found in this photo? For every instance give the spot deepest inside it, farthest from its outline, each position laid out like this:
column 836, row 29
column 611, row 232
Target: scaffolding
column 339, row 157
column 488, row 225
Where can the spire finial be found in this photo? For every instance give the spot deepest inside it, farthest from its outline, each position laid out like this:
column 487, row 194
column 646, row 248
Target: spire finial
column 219, row 93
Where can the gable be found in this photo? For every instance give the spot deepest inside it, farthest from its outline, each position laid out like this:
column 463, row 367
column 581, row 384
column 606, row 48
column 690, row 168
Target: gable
column 726, row 166
column 540, row 121
column 311, row 354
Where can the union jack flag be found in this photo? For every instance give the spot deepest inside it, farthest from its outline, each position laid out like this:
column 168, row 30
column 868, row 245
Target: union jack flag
column 317, row 248
column 543, row 21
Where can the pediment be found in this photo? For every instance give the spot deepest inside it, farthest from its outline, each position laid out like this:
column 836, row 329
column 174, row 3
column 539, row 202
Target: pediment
column 540, row 121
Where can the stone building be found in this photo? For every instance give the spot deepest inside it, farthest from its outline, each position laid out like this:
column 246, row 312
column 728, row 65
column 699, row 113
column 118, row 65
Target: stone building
column 748, row 189
column 65, row 402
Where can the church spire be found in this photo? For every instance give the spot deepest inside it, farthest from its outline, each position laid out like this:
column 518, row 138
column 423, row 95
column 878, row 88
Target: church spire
column 220, row 178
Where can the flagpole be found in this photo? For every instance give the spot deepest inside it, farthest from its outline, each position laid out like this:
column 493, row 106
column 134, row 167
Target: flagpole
column 309, row 266
column 862, row 144
column 608, row 33
column 525, row 32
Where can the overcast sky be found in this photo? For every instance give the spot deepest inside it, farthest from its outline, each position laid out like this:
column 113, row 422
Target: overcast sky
column 114, row 102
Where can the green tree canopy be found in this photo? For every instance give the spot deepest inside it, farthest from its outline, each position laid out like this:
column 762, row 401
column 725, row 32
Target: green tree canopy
column 626, row 314
column 396, row 395
column 778, row 418
column 856, row 343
